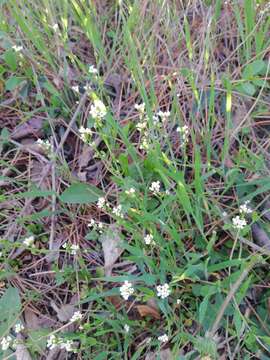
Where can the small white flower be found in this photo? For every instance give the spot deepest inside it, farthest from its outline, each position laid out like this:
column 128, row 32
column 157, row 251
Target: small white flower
column 130, row 191
column 55, row 27
column 96, row 225
column 239, row 223
column 118, row 211
column 66, row 345
column 92, row 70
column 167, row 192
column 144, row 144
column 17, row 48
column 92, row 223
column 244, row 209
column 29, row 240
column 140, row 108
column 183, row 130
column 1, row 254
column 149, row 239
column 87, row 87
column 148, row 340
column 142, row 125
column 18, row 328
column 101, row 202
column 76, row 316
column 75, row 89
column 98, row 109
column 45, row 145
column 155, row 187
column 74, row 249
column 164, row 115
column 85, row 134
column 163, row 338
column 224, row 214
column 126, row 328
column 163, row 291
column 6, row 342
column 178, row 301
column 126, row 290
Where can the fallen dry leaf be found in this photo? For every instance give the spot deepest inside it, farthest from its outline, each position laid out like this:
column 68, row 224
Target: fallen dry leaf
column 31, row 319
column 30, row 127
column 146, row 310
column 111, row 249
column 165, row 354
column 260, row 236
column 65, row 312
column 21, row 350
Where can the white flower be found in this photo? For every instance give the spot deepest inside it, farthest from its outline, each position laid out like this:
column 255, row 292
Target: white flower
column 244, row 209
column 148, row 239
column 140, row 108
column 183, row 130
column 141, row 125
column 163, row 291
column 130, row 192
column 29, row 240
column 118, row 211
column 18, row 328
column 163, row 338
column 92, row 70
column 144, row 144
column 224, row 213
column 55, row 27
column 96, row 225
column 67, row 345
column 178, row 301
column 239, row 223
column 155, row 187
column 85, row 134
column 126, row 328
column 87, row 87
column 101, row 202
column 45, row 145
column 76, row 316
column 98, row 109
column 6, row 342
column 17, row 48
column 75, row 89
column 164, row 115
column 74, row 249
column 1, row 254
column 126, row 290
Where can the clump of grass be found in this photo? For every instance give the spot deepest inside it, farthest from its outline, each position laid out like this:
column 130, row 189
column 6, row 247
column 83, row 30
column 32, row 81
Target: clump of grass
column 134, row 179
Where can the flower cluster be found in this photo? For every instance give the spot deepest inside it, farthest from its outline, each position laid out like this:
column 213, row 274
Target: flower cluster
column 155, row 187
column 92, row 70
column 184, row 132
column 149, row 239
column 76, row 316
column 29, row 241
column 45, row 145
column 244, row 209
column 98, row 111
column 18, row 328
column 118, row 211
column 85, row 134
column 126, row 290
column 6, row 342
column 126, row 328
column 74, row 248
column 102, row 203
column 17, row 48
column 163, row 291
column 163, row 338
column 130, row 192
column 239, row 222
column 54, row 342
column 96, row 225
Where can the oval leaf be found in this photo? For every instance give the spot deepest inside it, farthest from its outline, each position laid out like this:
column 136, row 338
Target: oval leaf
column 80, row 193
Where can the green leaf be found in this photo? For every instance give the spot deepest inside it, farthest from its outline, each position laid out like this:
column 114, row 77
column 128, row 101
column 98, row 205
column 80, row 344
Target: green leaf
column 10, row 59
column 13, row 82
column 254, row 68
column 10, row 307
column 80, row 193
column 247, row 88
